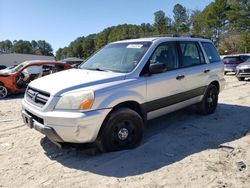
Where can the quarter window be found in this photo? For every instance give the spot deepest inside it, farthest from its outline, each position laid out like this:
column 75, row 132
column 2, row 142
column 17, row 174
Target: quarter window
column 211, row 52
column 191, row 54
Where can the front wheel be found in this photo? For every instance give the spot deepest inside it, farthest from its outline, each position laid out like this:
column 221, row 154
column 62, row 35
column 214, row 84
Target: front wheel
column 209, row 102
column 122, row 130
column 241, row 78
column 3, row 92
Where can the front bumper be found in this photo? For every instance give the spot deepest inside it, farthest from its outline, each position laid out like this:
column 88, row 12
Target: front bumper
column 243, row 72
column 62, row 126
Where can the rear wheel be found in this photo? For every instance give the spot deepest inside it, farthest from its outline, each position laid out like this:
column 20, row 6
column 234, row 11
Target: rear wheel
column 3, row 92
column 122, row 130
column 209, row 102
column 225, row 73
column 241, row 78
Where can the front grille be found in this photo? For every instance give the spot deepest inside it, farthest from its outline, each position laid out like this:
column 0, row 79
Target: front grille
column 37, row 97
column 244, row 70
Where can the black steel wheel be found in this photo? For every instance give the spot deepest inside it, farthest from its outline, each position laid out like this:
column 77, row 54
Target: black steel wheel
column 209, row 102
column 122, row 130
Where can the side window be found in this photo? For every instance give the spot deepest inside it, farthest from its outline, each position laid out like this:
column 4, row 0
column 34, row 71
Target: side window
column 211, row 52
column 48, row 69
column 191, row 54
column 166, row 53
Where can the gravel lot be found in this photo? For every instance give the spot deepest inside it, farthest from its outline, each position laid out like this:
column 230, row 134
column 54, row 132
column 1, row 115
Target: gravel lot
column 181, row 149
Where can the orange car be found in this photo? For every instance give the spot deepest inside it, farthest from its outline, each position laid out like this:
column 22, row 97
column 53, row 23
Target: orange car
column 15, row 80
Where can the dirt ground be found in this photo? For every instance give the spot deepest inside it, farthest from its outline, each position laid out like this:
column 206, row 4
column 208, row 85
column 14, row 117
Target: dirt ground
column 181, row 149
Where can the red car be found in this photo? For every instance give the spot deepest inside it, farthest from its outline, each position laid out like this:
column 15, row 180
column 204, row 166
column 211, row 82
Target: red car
column 16, row 79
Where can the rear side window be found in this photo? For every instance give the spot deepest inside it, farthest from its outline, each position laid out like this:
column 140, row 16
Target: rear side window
column 191, row 54
column 211, row 52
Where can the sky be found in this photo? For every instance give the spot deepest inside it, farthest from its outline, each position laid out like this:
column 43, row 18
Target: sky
column 59, row 22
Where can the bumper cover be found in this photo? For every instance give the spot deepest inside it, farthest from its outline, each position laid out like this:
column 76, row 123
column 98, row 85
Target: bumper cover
column 61, row 126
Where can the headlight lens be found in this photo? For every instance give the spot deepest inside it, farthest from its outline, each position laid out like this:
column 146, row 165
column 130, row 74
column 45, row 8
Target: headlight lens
column 81, row 100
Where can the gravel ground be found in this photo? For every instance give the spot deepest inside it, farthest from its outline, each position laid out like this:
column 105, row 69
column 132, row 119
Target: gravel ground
column 181, row 149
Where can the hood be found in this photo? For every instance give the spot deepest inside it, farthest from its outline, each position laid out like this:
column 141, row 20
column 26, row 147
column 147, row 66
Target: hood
column 71, row 79
column 4, row 74
column 246, row 64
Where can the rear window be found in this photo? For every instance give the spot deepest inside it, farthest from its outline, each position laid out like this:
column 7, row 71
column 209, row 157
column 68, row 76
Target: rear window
column 235, row 59
column 211, row 52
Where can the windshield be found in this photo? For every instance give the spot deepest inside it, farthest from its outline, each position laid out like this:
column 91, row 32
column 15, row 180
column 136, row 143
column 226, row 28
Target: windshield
column 117, row 57
column 247, row 60
column 17, row 68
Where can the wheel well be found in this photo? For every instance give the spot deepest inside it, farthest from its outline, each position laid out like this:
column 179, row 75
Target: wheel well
column 216, row 83
column 1, row 83
column 132, row 105
column 128, row 104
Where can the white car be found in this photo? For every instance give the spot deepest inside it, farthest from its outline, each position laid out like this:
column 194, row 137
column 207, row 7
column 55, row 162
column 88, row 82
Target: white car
column 112, row 95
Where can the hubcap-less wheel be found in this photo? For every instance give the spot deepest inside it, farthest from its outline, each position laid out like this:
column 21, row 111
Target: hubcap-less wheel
column 209, row 101
column 3, row 92
column 123, row 134
column 122, row 130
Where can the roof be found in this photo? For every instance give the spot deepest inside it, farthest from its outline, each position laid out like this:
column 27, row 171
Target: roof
column 176, row 38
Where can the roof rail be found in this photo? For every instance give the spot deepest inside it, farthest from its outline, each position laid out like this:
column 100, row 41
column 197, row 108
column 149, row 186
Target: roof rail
column 178, row 35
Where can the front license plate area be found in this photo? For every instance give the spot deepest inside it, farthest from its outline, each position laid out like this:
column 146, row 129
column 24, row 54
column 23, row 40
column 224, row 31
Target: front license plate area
column 28, row 120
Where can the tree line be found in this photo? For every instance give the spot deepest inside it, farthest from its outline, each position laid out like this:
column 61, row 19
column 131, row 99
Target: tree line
column 40, row 47
column 225, row 22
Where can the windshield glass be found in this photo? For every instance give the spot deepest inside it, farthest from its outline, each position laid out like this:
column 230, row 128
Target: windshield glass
column 18, row 67
column 117, row 57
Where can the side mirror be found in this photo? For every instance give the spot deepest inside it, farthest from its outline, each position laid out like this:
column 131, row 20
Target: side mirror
column 157, row 68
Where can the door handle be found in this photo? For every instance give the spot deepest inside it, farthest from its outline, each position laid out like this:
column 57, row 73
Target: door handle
column 206, row 71
column 180, row 77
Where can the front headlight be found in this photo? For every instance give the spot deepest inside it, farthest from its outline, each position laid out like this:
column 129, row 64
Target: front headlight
column 80, row 100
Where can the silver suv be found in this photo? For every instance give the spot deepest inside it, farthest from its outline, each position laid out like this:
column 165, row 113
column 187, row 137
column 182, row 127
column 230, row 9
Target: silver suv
column 112, row 95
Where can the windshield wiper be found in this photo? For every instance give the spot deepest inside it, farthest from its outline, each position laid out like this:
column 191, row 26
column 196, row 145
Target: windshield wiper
column 97, row 69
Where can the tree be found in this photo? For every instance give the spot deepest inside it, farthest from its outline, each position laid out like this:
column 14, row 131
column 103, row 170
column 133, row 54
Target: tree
column 44, row 48
column 5, row 46
column 22, row 47
column 181, row 19
column 216, row 22
column 162, row 23
column 197, row 23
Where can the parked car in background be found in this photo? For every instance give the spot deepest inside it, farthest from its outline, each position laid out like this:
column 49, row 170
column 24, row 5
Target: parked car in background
column 243, row 70
column 2, row 67
column 16, row 79
column 111, row 96
column 231, row 62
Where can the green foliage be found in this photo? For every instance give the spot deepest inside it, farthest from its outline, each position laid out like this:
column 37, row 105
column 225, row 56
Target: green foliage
column 40, row 47
column 181, row 19
column 5, row 46
column 23, row 47
column 162, row 23
column 226, row 22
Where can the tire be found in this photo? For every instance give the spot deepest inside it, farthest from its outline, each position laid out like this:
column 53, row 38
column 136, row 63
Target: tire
column 122, row 130
column 209, row 102
column 3, row 91
column 225, row 73
column 241, row 78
